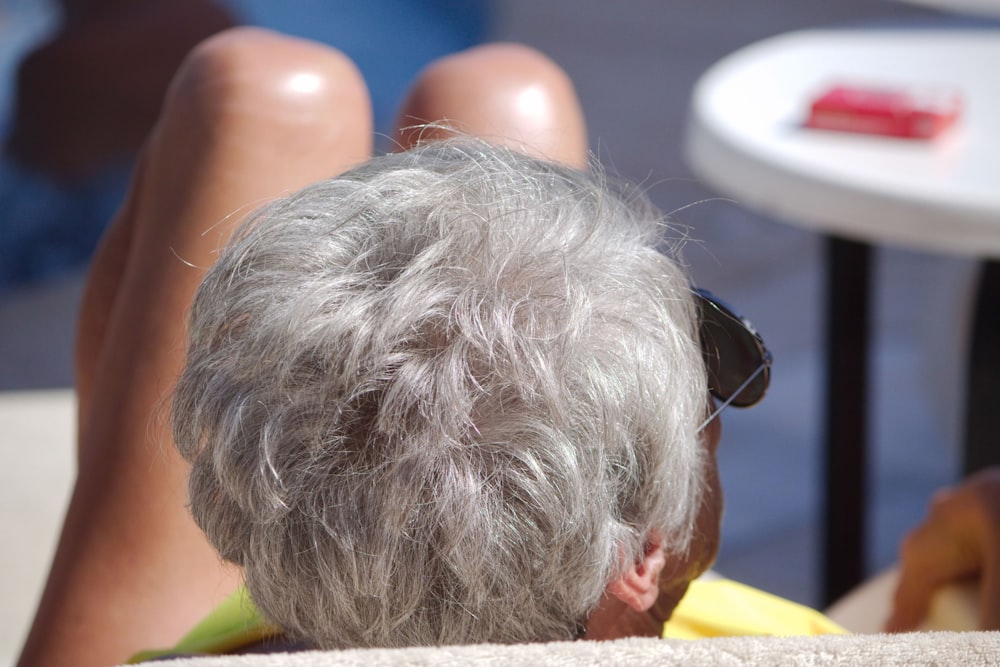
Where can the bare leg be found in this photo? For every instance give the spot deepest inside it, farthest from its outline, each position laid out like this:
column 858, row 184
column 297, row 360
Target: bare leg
column 250, row 116
column 504, row 93
column 242, row 124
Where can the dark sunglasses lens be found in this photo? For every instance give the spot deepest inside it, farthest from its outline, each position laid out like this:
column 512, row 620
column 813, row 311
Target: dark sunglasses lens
column 732, row 354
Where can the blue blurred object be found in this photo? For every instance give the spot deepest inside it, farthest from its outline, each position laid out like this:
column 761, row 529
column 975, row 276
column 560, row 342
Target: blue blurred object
column 389, row 40
column 47, row 227
column 22, row 24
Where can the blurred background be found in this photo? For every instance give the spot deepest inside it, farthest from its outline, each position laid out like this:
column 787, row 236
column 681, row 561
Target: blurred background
column 634, row 64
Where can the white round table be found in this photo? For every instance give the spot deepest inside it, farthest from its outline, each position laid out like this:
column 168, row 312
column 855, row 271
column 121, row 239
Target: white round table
column 976, row 7
column 746, row 139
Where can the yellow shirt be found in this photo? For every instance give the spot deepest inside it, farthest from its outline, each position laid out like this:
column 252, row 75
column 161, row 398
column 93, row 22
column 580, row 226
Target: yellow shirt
column 724, row 608
column 710, row 608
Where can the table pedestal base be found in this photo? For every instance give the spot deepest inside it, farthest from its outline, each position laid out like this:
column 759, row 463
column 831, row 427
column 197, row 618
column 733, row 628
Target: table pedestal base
column 846, row 471
column 982, row 417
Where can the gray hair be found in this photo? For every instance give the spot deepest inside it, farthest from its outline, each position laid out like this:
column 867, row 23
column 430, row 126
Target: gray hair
column 443, row 398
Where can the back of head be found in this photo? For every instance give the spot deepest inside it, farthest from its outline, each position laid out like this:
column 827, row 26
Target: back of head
column 442, row 398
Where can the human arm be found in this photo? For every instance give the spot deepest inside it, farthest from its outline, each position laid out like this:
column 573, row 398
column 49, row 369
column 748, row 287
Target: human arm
column 958, row 541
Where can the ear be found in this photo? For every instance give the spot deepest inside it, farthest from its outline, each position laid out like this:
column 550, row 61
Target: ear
column 638, row 586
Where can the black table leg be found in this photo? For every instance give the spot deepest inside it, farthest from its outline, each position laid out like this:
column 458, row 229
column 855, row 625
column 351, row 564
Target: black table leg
column 848, row 267
column 982, row 418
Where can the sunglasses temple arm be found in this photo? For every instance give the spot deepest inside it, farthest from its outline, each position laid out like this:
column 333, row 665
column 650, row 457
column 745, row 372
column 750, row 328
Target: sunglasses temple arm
column 725, row 404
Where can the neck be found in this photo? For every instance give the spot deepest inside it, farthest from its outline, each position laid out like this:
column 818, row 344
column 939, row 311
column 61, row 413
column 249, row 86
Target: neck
column 613, row 619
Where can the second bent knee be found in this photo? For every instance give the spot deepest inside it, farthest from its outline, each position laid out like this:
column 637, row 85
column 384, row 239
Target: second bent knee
column 503, row 92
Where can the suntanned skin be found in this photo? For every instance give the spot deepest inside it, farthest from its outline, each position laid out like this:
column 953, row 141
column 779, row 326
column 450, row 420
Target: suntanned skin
column 506, row 94
column 958, row 541
column 132, row 570
column 250, row 116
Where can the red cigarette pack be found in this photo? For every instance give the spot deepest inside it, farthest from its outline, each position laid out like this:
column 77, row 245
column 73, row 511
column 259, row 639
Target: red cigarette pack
column 917, row 113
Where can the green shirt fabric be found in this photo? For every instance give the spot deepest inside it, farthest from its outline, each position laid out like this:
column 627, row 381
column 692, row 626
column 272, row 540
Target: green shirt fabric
column 710, row 608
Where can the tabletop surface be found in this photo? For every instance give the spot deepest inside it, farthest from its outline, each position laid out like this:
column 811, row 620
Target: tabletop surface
column 746, row 137
column 981, row 7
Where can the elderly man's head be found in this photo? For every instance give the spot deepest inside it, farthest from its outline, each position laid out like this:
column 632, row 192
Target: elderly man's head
column 451, row 396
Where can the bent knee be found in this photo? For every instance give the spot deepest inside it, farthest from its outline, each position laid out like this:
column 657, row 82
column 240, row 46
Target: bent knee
column 258, row 75
column 506, row 93
column 508, row 63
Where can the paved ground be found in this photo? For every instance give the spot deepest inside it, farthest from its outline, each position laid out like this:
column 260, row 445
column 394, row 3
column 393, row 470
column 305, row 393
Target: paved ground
column 634, row 64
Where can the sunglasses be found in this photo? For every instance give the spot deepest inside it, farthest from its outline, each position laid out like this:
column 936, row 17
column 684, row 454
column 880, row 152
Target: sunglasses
column 738, row 363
